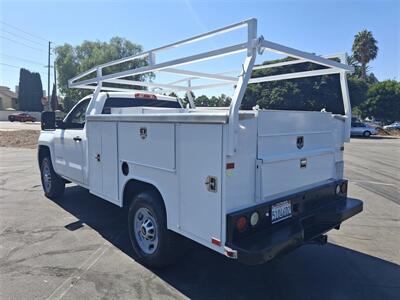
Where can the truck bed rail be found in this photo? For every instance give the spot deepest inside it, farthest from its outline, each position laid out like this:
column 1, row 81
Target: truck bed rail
column 253, row 45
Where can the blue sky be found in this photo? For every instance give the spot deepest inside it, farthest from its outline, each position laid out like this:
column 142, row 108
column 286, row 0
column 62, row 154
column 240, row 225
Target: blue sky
column 322, row 27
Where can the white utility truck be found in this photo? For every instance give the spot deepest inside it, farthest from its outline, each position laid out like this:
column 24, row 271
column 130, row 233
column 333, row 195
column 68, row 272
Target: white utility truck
column 251, row 185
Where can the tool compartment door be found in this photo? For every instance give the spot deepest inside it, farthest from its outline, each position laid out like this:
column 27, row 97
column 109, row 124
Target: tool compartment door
column 103, row 160
column 295, row 150
column 200, row 153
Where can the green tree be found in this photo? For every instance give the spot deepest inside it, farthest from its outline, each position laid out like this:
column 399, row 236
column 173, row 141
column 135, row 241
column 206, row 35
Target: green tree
column 383, row 101
column 71, row 61
column 54, row 99
column 37, row 92
column 364, row 50
column 30, row 91
column 358, row 90
column 311, row 93
column 220, row 101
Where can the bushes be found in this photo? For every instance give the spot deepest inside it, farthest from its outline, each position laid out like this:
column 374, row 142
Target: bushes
column 382, row 101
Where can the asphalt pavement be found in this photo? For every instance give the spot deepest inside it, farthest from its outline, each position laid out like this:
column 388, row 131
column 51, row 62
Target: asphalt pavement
column 78, row 247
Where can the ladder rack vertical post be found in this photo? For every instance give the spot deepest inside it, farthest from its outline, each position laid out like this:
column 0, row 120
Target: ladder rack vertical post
column 244, row 78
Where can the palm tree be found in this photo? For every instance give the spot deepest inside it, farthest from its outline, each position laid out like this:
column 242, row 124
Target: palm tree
column 364, row 50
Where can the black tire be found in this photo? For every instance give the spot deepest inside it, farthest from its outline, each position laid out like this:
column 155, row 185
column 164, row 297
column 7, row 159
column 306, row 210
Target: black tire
column 56, row 186
column 367, row 134
column 170, row 244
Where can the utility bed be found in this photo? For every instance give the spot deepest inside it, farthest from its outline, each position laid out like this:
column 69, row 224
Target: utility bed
column 248, row 184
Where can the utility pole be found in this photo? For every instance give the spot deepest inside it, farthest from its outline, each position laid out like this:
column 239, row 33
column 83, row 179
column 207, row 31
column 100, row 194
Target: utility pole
column 55, row 75
column 55, row 84
column 48, row 79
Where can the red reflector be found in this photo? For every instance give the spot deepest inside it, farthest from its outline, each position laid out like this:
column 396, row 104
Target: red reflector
column 229, row 253
column 230, row 166
column 145, row 96
column 241, row 223
column 216, row 241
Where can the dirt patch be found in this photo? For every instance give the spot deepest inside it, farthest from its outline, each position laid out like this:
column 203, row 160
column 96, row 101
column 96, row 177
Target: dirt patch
column 382, row 131
column 19, row 138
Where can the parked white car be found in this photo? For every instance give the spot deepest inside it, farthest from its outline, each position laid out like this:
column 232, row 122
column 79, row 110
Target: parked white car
column 250, row 185
column 393, row 126
column 362, row 129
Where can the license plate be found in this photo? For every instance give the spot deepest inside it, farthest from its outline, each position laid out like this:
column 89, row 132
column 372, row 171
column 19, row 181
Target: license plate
column 281, row 211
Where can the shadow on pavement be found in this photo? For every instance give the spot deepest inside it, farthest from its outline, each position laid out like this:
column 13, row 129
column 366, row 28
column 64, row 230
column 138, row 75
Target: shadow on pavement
column 310, row 272
column 375, row 137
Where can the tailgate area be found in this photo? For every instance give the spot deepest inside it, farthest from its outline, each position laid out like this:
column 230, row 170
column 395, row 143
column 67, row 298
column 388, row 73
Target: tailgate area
column 295, row 150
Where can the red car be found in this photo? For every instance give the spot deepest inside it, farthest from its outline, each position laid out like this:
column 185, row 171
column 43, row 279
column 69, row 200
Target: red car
column 22, row 117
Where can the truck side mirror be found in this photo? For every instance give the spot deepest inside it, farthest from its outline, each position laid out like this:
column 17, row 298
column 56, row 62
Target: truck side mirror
column 48, row 120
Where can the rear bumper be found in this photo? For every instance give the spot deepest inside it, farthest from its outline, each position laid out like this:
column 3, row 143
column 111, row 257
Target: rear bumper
column 277, row 239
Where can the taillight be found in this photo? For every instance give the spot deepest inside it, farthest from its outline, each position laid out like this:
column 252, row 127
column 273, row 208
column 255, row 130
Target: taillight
column 241, row 224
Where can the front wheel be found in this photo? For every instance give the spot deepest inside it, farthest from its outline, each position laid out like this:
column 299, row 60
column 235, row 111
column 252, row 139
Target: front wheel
column 367, row 134
column 154, row 245
column 53, row 185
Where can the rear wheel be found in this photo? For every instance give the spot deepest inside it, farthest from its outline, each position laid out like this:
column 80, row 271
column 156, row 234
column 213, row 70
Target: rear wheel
column 53, row 185
column 154, row 245
column 367, row 134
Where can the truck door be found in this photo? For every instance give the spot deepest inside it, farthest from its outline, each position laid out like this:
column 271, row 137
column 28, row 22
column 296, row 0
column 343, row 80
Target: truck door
column 70, row 143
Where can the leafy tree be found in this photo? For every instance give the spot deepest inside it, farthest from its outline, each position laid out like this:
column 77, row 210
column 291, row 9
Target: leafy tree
column 24, row 89
column 54, row 99
column 311, row 93
column 358, row 90
column 220, row 101
column 383, row 101
column 30, row 91
column 364, row 50
column 37, row 92
column 71, row 61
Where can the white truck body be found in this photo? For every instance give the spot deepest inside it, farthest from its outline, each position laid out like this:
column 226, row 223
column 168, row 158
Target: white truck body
column 206, row 163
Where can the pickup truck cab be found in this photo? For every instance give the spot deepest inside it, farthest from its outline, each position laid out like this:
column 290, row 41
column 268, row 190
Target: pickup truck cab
column 68, row 142
column 251, row 185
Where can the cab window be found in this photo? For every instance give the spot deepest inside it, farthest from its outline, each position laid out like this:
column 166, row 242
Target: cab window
column 77, row 117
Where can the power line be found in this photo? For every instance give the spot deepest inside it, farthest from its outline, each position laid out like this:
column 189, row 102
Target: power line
column 17, row 42
column 13, row 66
column 19, row 29
column 23, row 59
column 22, row 37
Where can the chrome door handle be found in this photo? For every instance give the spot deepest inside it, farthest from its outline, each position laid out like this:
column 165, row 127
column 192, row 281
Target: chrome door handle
column 77, row 139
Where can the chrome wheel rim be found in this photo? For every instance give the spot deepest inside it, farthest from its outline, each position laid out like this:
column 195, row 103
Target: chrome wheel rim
column 145, row 230
column 46, row 177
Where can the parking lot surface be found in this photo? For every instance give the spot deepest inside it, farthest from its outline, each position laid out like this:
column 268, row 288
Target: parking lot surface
column 78, row 247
